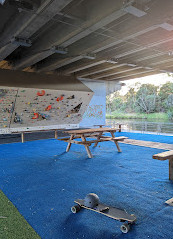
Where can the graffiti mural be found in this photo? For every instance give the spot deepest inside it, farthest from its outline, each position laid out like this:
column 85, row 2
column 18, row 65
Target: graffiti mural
column 94, row 111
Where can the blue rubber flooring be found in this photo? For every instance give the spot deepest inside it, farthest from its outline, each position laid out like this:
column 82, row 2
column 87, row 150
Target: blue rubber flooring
column 42, row 181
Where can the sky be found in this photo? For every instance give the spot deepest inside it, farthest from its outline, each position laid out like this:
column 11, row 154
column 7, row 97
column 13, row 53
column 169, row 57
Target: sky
column 157, row 80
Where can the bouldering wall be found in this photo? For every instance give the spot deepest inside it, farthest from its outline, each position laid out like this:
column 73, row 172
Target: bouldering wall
column 59, row 104
column 23, row 107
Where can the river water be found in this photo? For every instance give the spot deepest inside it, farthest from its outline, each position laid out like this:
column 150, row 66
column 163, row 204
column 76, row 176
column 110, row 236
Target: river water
column 158, row 127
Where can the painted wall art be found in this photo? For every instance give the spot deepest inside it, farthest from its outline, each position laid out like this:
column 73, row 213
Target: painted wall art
column 94, row 111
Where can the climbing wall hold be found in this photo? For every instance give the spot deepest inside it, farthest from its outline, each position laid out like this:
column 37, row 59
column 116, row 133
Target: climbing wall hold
column 75, row 109
column 41, row 93
column 49, row 107
column 60, row 98
column 70, row 97
column 17, row 118
column 36, row 115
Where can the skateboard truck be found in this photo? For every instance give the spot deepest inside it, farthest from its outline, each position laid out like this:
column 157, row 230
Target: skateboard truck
column 91, row 202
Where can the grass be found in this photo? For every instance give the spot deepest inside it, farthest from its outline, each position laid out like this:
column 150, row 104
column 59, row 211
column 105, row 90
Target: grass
column 13, row 226
column 160, row 115
column 121, row 115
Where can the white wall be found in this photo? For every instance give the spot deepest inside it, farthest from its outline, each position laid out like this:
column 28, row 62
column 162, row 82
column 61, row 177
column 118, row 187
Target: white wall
column 96, row 111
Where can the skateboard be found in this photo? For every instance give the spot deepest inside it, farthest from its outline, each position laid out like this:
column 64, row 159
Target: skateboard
column 112, row 212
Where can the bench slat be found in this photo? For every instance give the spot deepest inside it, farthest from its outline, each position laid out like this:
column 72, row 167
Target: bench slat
column 164, row 155
column 78, row 137
column 120, row 138
column 89, row 142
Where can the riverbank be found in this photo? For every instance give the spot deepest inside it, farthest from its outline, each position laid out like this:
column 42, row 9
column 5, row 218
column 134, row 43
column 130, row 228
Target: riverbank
column 151, row 116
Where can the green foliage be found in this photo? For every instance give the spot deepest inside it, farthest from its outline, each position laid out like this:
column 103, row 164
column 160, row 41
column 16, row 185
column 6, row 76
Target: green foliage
column 160, row 116
column 169, row 100
column 145, row 98
column 118, row 115
column 170, row 106
column 170, row 114
column 114, row 102
column 165, row 91
column 118, row 104
column 130, row 101
column 151, row 116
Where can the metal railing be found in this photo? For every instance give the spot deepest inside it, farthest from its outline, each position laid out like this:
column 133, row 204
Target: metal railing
column 143, row 126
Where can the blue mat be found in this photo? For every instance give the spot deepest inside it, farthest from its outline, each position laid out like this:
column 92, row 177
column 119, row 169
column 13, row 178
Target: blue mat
column 42, row 181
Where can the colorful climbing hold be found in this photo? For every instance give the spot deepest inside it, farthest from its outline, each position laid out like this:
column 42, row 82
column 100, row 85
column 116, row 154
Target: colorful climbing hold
column 36, row 115
column 60, row 98
column 49, row 107
column 41, row 93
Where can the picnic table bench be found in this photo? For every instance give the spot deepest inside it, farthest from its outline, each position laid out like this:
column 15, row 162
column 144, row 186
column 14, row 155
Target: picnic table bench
column 33, row 131
column 164, row 156
column 97, row 133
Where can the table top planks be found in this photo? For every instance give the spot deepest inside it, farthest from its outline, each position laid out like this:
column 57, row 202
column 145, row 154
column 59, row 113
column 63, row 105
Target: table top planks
column 93, row 130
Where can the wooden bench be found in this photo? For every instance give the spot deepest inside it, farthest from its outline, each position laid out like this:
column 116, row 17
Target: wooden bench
column 164, row 156
column 34, row 131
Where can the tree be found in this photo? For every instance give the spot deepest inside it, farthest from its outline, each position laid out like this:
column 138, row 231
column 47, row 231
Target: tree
column 114, row 102
column 108, row 104
column 147, row 99
column 170, row 106
column 130, row 99
column 118, row 104
column 165, row 91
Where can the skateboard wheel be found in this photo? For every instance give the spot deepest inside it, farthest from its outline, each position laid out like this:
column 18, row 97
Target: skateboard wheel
column 75, row 209
column 125, row 228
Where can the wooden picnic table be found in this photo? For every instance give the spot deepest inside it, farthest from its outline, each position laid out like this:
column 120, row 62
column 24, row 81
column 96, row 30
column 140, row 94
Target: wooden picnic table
column 96, row 133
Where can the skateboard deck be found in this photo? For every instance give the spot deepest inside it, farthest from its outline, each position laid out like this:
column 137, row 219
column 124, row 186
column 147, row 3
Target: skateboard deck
column 112, row 212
